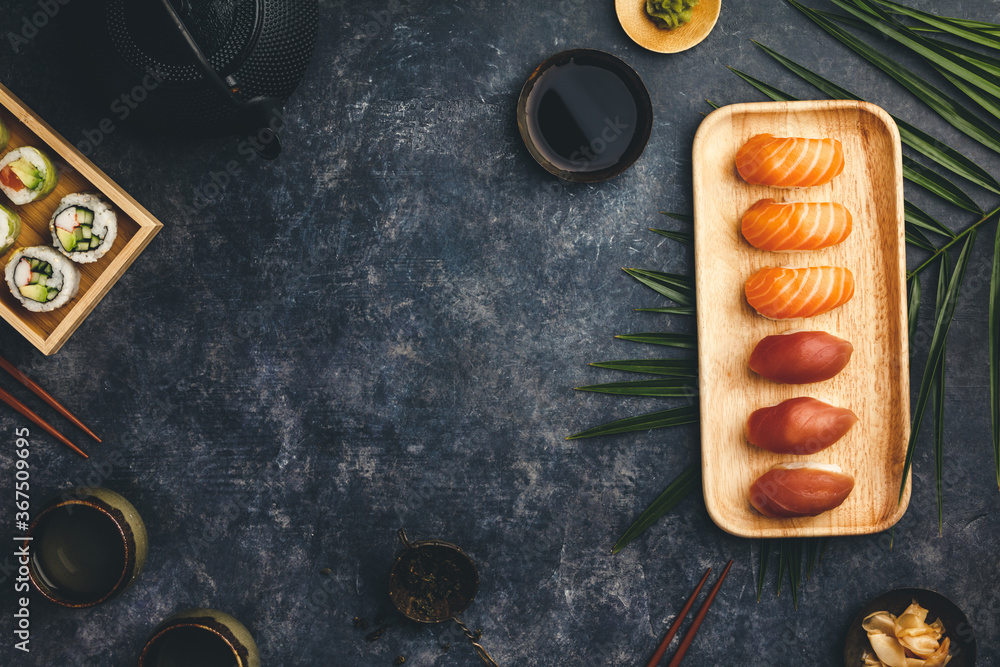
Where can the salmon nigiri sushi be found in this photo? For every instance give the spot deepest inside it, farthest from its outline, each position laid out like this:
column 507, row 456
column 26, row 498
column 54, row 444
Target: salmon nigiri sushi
column 783, row 293
column 789, row 162
column 791, row 226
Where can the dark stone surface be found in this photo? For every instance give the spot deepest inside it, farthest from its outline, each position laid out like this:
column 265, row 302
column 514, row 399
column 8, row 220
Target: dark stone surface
column 383, row 329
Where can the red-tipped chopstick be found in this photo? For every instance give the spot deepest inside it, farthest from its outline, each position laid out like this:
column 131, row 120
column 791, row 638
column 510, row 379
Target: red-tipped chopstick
column 45, row 396
column 675, row 626
column 24, row 410
column 696, row 623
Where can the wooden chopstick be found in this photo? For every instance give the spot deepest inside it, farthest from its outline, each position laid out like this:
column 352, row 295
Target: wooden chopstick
column 9, row 399
column 696, row 623
column 45, row 396
column 675, row 626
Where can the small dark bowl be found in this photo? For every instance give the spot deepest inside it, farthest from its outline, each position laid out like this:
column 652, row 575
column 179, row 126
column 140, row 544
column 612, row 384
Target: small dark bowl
column 956, row 625
column 631, row 80
column 466, row 582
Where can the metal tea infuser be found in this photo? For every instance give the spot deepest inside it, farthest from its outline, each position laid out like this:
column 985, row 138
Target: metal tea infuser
column 441, row 568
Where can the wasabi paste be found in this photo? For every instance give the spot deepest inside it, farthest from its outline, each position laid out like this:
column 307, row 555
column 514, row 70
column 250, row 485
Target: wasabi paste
column 670, row 14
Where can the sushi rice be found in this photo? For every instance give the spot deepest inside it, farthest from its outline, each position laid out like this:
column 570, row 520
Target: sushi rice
column 42, row 279
column 10, row 228
column 83, row 227
column 26, row 175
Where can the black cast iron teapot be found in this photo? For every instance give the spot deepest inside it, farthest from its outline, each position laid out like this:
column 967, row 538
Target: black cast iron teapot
column 200, row 67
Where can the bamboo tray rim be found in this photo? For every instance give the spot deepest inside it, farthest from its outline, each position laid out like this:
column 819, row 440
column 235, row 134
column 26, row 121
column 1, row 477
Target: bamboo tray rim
column 710, row 125
column 148, row 226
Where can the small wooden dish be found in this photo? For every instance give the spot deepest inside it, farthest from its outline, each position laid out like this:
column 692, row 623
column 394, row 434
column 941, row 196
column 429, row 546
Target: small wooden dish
column 136, row 228
column 956, row 625
column 875, row 384
column 637, row 24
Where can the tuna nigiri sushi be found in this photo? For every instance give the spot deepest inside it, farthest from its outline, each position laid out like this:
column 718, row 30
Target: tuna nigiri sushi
column 800, row 357
column 800, row 425
column 800, row 489
column 781, row 293
column 790, row 226
column 789, row 162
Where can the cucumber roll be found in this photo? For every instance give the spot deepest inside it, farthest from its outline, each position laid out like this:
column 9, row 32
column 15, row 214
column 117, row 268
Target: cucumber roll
column 83, row 228
column 10, row 228
column 26, row 175
column 42, row 279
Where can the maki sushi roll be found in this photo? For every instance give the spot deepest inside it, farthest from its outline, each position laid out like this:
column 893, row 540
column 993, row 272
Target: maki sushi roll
column 26, row 175
column 83, row 228
column 10, row 228
column 42, row 279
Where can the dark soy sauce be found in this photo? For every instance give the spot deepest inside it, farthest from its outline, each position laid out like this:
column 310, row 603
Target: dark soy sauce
column 78, row 553
column 583, row 115
column 190, row 647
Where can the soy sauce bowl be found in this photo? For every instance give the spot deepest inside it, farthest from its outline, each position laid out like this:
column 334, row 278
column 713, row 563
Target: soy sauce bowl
column 596, row 110
column 956, row 625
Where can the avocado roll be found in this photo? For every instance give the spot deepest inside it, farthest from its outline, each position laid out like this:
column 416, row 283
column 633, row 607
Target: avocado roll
column 26, row 175
column 42, row 279
column 83, row 228
column 10, row 228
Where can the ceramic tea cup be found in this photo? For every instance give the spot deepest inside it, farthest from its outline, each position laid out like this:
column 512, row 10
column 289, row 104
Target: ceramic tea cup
column 200, row 638
column 87, row 546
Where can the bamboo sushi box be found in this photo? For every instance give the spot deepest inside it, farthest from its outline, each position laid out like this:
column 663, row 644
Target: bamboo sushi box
column 49, row 331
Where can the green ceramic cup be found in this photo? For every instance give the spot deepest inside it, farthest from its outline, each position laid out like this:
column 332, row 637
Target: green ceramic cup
column 87, row 546
column 200, row 638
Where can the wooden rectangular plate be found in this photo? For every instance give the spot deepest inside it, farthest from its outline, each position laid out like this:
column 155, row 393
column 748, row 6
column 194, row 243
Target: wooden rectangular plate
column 136, row 228
column 875, row 384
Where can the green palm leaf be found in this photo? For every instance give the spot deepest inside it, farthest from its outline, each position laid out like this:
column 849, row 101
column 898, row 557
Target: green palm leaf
column 990, row 64
column 947, row 107
column 782, row 564
column 687, row 368
column 681, row 310
column 916, row 238
column 898, row 33
column 995, row 351
column 673, row 417
column 916, row 216
column 974, row 31
column 678, row 490
column 917, row 139
column 765, row 554
column 913, row 308
column 681, row 237
column 794, row 567
column 687, row 341
column 987, row 102
column 938, row 389
column 767, row 89
column 920, row 175
column 677, row 288
column 812, row 550
column 941, row 325
column 958, row 237
column 674, row 387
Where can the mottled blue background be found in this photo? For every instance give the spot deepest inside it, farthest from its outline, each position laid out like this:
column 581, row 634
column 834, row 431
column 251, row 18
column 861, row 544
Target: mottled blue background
column 383, row 328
